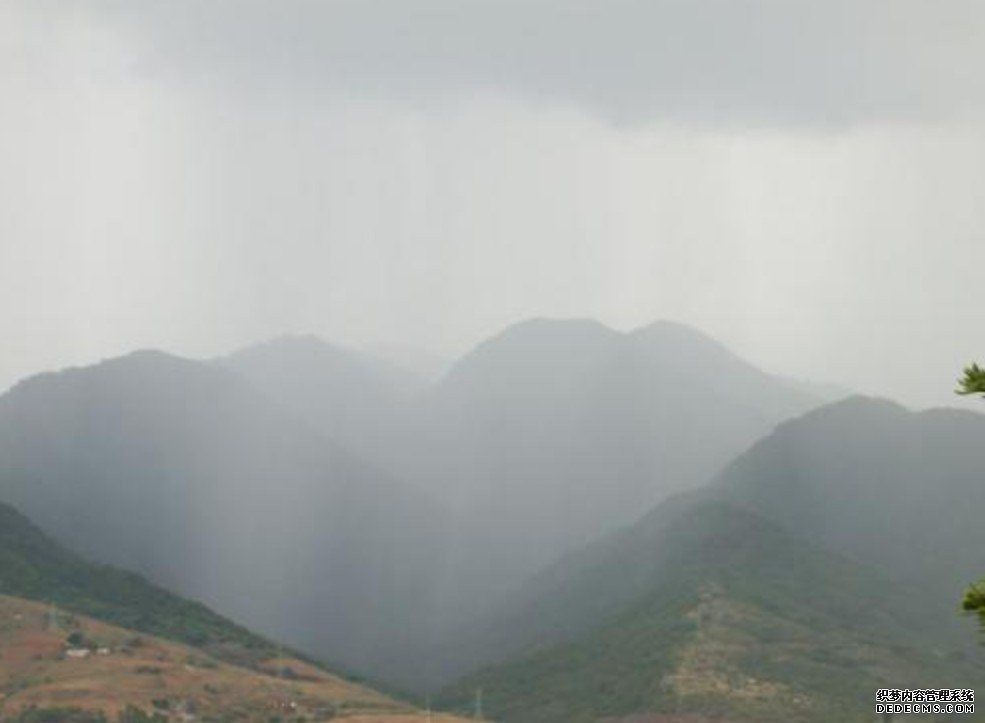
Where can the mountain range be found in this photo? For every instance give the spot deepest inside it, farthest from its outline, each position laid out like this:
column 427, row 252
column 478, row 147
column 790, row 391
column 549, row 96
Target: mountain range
column 554, row 432
column 583, row 523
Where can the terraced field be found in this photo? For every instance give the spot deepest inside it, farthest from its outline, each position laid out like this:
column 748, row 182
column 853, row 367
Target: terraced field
column 52, row 659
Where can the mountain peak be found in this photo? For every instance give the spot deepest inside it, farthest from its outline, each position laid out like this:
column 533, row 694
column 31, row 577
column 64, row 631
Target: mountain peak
column 290, row 352
column 681, row 337
column 542, row 326
column 539, row 350
column 288, row 344
column 856, row 407
column 671, row 327
column 134, row 365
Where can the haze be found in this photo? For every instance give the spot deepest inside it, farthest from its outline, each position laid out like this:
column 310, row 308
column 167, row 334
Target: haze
column 802, row 181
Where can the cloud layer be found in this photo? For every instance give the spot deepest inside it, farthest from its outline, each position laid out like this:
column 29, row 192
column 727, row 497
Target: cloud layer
column 802, row 180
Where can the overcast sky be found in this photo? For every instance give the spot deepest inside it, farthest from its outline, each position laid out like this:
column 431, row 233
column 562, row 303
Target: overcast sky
column 803, row 180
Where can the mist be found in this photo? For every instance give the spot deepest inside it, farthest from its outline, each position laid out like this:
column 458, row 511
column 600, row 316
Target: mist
column 598, row 356
column 194, row 179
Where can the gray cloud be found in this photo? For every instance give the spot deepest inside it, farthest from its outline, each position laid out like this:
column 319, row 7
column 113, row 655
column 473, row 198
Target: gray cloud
column 802, row 181
column 712, row 61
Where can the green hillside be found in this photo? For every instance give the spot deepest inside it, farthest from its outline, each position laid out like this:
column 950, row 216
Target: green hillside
column 35, row 567
column 732, row 617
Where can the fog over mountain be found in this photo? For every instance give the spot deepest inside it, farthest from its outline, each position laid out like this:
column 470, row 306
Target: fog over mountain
column 797, row 179
column 181, row 471
column 555, row 431
column 356, row 398
column 289, row 483
column 598, row 358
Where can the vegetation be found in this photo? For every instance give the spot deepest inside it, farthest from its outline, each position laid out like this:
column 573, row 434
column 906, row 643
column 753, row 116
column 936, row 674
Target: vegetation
column 130, row 714
column 59, row 715
column 160, row 680
column 33, row 566
column 974, row 600
column 973, row 381
column 741, row 621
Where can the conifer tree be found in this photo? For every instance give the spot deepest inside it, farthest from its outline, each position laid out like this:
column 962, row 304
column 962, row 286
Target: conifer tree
column 973, row 381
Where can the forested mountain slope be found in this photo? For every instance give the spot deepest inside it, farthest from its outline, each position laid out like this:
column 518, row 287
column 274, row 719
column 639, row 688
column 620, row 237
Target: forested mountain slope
column 814, row 570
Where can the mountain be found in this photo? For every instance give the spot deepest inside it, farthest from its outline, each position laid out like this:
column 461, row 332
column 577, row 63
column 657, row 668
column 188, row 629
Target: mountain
column 826, row 392
column 356, row 398
column 716, row 612
column 862, row 476
column 423, row 363
column 183, row 472
column 555, row 432
column 160, row 653
column 817, row 568
column 544, row 437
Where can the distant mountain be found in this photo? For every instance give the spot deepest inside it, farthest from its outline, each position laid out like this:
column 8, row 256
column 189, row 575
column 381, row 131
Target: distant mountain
column 356, row 398
column 544, row 437
column 182, row 471
column 330, row 499
column 554, row 432
column 828, row 393
column 424, row 363
column 821, row 565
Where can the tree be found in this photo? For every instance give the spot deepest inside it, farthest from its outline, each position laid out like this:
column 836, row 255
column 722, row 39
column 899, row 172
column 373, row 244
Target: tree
column 973, row 382
column 974, row 600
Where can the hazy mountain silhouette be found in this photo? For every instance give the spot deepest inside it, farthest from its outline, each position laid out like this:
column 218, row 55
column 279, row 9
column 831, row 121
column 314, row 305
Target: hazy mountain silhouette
column 356, row 398
column 181, row 471
column 224, row 480
column 423, row 363
column 554, row 432
column 544, row 437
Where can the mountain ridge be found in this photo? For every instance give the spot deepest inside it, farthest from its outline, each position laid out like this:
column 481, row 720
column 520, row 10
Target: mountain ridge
column 562, row 430
column 844, row 618
column 184, row 472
